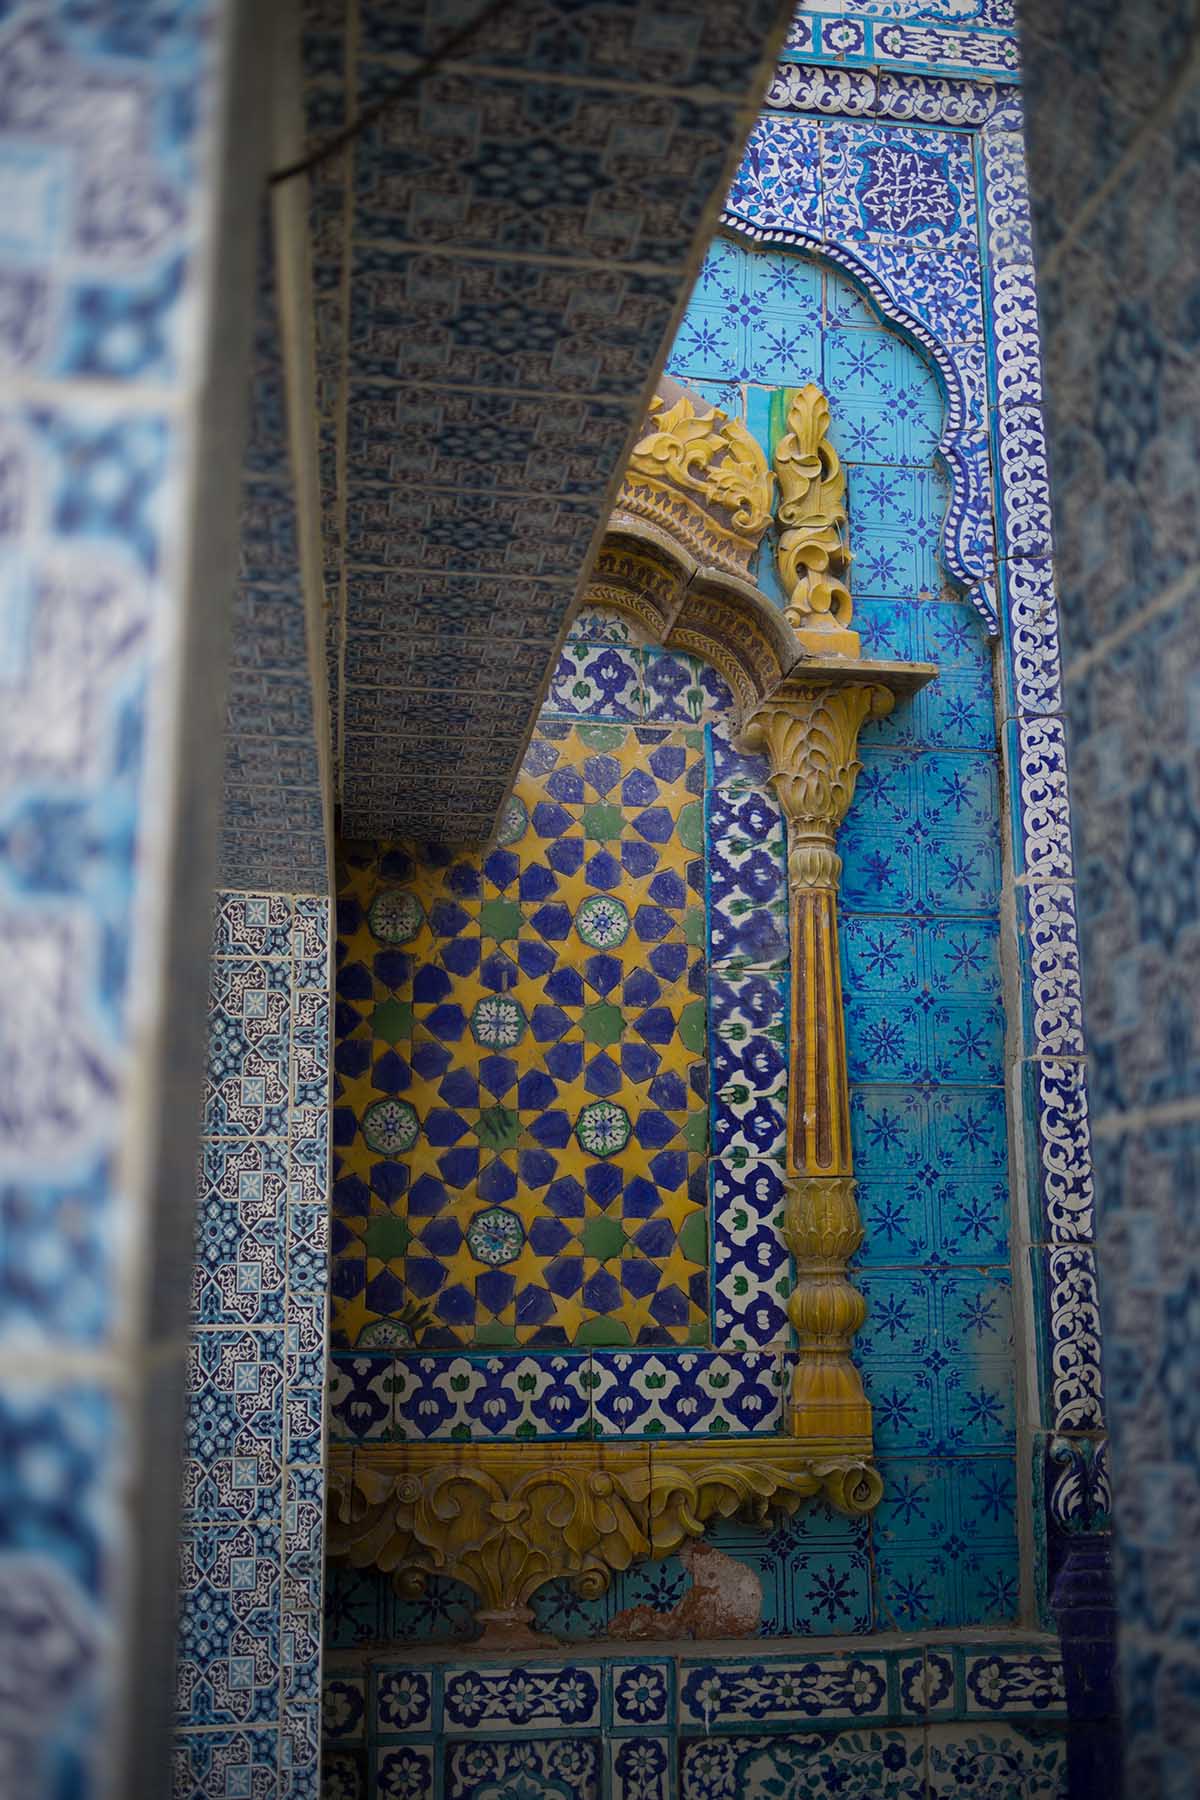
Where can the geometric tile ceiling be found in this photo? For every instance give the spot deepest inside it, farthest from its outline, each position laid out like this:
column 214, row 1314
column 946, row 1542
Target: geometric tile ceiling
column 499, row 261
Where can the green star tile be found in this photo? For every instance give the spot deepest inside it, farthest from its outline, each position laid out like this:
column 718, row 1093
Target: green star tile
column 386, row 1237
column 500, row 919
column 691, row 1027
column 693, row 1238
column 601, row 1333
column 602, row 820
column 497, row 1128
column 695, row 1132
column 392, row 1021
column 689, row 827
column 602, row 737
column 602, row 1023
column 602, row 1238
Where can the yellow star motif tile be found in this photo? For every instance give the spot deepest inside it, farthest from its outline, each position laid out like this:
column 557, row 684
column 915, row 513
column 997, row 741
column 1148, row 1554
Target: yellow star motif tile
column 521, row 1117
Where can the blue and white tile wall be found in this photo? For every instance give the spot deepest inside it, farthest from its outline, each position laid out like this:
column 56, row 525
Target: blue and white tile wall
column 908, row 181
column 926, row 1720
column 1114, row 128
column 115, row 147
column 251, row 1574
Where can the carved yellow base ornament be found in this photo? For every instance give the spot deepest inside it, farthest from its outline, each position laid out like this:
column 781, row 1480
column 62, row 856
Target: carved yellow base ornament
column 504, row 1518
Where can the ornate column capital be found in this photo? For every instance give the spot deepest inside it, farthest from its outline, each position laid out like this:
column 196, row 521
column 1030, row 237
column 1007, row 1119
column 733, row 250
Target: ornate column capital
column 808, row 731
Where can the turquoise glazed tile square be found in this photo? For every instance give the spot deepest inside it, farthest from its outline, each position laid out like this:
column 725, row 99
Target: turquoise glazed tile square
column 895, row 527
column 946, row 1543
column 888, row 630
column 885, row 403
column 707, row 346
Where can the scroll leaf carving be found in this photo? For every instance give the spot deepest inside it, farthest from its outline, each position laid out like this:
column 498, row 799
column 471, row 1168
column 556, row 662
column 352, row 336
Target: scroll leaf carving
column 702, row 477
column 505, row 1518
column 813, row 551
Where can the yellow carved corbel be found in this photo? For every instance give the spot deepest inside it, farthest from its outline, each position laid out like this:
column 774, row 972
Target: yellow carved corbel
column 812, row 553
column 504, row 1518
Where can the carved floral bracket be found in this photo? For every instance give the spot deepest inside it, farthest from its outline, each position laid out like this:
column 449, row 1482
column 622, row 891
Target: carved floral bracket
column 504, row 1518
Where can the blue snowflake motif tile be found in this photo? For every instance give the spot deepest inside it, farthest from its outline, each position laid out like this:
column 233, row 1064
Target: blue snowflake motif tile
column 885, row 402
column 598, row 681
column 747, row 880
column 707, row 346
column 946, row 1542
column 750, row 1258
column 896, row 518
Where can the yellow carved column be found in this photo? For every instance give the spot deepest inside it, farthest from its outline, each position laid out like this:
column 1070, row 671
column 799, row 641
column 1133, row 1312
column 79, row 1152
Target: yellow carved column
column 809, row 732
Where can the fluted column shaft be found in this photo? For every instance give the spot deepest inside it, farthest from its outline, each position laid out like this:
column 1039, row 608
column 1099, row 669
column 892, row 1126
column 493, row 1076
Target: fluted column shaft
column 809, row 732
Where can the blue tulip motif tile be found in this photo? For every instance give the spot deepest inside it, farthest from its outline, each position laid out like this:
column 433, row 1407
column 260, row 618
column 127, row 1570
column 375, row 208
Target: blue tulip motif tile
column 752, row 1267
column 747, row 884
column 749, row 1047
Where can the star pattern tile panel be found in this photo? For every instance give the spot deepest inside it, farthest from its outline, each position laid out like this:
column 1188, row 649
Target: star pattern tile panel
column 522, row 1115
